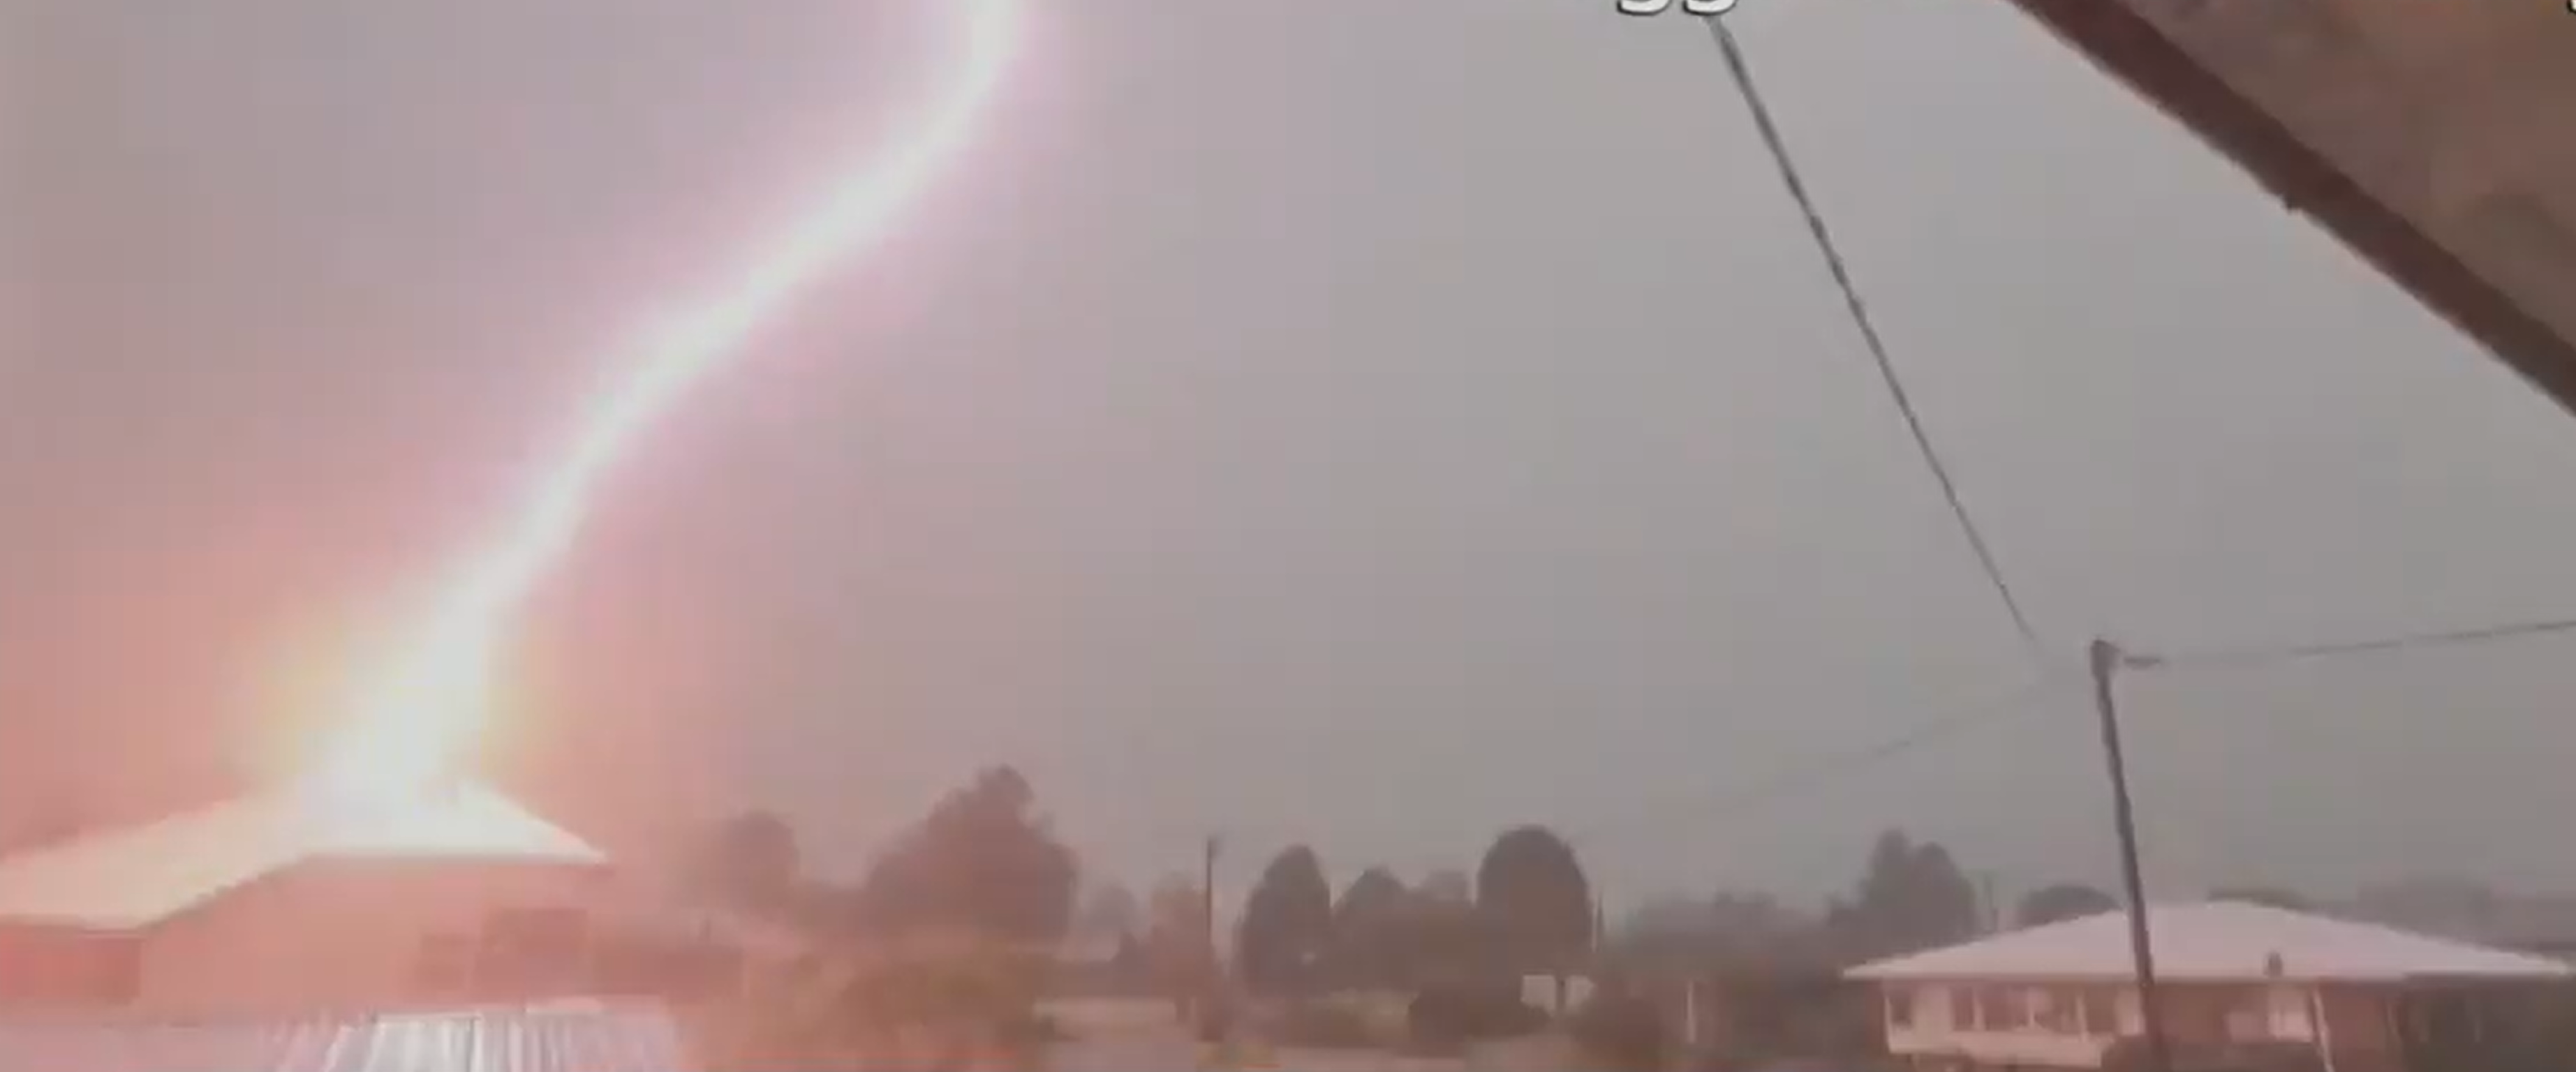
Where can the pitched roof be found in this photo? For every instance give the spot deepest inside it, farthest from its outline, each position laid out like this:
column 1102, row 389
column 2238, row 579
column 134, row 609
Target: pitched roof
column 582, row 1038
column 136, row 877
column 2215, row 941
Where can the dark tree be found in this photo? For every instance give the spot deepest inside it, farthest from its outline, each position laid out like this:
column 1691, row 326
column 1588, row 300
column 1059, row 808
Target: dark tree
column 749, row 863
column 1944, row 904
column 1532, row 891
column 1912, row 897
column 1129, row 963
column 1368, row 930
column 1375, row 895
column 1440, row 939
column 1175, row 946
column 1735, row 932
column 1440, row 934
column 1110, row 913
column 2062, row 902
column 984, row 860
column 1287, row 924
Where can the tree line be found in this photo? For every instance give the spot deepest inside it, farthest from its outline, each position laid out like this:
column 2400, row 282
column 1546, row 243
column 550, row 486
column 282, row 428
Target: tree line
column 1527, row 909
column 986, row 860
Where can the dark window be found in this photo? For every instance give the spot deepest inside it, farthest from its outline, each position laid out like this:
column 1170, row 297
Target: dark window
column 1900, row 1007
column 2054, row 1009
column 1995, row 1009
column 2101, row 1010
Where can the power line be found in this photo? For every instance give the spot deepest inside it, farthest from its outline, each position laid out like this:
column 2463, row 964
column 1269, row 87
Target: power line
column 1742, row 72
column 1931, row 732
column 1937, row 730
column 2265, row 656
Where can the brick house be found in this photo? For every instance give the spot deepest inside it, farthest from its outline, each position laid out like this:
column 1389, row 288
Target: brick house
column 2231, row 977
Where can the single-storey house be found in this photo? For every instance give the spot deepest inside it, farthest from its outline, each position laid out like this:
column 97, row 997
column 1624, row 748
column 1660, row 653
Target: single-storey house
column 2231, row 977
column 280, row 903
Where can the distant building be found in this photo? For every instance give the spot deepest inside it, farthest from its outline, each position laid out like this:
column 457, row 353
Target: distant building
column 272, row 904
column 1556, row 995
column 2232, row 977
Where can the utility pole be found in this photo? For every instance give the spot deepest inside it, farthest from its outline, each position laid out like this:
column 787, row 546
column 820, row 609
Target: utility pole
column 1212, row 977
column 2108, row 660
column 1600, row 926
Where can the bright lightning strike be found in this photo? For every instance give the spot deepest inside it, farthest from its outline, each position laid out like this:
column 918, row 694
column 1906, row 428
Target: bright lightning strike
column 414, row 722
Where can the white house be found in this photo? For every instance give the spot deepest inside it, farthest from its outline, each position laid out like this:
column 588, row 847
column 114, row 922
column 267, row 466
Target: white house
column 2363, row 998
column 274, row 903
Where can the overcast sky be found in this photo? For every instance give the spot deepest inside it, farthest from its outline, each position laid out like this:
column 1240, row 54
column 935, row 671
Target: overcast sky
column 1369, row 424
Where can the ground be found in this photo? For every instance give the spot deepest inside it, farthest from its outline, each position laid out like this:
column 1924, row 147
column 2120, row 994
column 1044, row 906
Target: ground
column 1172, row 1050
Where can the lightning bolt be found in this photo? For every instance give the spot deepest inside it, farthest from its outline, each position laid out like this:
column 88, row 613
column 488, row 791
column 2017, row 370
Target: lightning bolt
column 413, row 722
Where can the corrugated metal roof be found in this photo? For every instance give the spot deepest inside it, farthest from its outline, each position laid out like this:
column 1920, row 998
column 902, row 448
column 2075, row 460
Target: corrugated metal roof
column 576, row 1039
column 2217, row 941
column 133, row 878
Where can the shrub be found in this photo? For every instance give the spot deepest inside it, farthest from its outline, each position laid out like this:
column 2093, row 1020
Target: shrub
column 1418, row 1044
column 1465, row 1012
column 2132, row 1055
column 1028, row 1033
column 1215, row 1020
column 1324, row 1025
column 1621, row 1031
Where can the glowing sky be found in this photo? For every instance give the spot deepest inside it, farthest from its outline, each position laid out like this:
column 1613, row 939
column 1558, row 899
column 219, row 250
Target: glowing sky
column 415, row 719
column 1364, row 429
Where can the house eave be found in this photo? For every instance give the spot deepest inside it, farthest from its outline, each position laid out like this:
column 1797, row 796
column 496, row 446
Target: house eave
column 2125, row 45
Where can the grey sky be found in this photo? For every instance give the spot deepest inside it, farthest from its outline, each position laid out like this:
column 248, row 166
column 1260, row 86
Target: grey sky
column 1376, row 424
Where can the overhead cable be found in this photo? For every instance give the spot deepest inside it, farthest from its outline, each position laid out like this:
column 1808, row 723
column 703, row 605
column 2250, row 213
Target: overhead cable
column 2445, row 638
column 1940, row 729
column 1858, row 311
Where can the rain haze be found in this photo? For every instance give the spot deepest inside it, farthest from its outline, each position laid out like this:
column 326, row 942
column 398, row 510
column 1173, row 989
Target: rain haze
column 1370, row 425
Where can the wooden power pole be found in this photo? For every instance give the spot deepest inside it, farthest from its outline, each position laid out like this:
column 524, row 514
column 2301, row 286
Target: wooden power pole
column 1212, row 974
column 2107, row 661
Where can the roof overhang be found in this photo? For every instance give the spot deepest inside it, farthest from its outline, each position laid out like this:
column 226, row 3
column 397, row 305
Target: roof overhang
column 138, row 877
column 2124, row 977
column 2376, row 119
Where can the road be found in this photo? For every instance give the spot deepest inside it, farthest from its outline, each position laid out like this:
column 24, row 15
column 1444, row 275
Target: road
column 1172, row 1051
column 1175, row 1052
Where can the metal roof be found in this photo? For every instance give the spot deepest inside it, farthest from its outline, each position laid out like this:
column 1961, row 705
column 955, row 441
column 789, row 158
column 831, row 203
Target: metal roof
column 554, row 1039
column 2216, row 941
column 2430, row 138
column 133, row 878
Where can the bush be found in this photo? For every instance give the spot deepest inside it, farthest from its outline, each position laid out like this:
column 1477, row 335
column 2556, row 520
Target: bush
column 1464, row 1012
column 1028, row 1033
column 1418, row 1044
column 950, row 993
column 1621, row 1031
column 2131, row 1055
column 1324, row 1025
column 1215, row 1020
